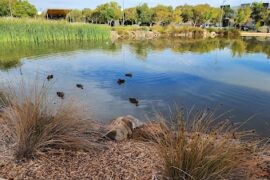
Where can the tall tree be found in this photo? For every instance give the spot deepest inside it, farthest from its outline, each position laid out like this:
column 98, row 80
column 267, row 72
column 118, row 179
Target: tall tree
column 243, row 15
column 216, row 15
column 201, row 14
column 75, row 16
column 109, row 12
column 228, row 12
column 259, row 12
column 162, row 14
column 186, row 12
column 23, row 8
column 131, row 15
column 177, row 16
column 144, row 14
column 87, row 15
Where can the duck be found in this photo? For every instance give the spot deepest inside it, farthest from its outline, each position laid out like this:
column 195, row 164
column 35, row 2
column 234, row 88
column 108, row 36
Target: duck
column 61, row 94
column 121, row 81
column 129, row 75
column 134, row 101
column 79, row 86
column 49, row 77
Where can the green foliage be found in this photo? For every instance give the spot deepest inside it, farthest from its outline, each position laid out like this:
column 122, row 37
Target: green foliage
column 144, row 14
column 109, row 12
column 204, row 13
column 14, row 30
column 87, row 14
column 259, row 12
column 75, row 16
column 131, row 15
column 267, row 18
column 228, row 12
column 187, row 12
column 200, row 14
column 163, row 14
column 5, row 8
column 24, row 9
column 243, row 15
column 17, row 8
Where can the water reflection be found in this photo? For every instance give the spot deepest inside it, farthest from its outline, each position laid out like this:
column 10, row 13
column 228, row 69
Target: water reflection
column 205, row 73
column 11, row 54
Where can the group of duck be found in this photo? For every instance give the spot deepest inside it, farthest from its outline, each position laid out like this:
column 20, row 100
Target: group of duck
column 134, row 101
column 61, row 94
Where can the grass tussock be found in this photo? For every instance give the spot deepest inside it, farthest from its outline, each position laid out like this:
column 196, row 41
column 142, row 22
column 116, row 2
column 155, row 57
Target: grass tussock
column 30, row 30
column 195, row 148
column 33, row 124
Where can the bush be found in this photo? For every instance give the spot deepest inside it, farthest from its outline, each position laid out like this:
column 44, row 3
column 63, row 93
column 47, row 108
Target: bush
column 195, row 149
column 35, row 125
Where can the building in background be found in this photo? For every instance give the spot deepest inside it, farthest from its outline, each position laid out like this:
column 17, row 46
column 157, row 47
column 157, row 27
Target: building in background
column 57, row 13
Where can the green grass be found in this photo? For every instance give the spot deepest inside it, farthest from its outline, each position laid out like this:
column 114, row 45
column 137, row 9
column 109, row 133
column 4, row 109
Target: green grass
column 26, row 30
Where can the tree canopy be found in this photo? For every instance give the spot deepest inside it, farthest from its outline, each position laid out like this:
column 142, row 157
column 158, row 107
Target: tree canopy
column 144, row 14
column 243, row 15
column 74, row 16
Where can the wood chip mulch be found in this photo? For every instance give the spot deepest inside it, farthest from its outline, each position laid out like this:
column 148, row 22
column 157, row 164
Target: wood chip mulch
column 123, row 160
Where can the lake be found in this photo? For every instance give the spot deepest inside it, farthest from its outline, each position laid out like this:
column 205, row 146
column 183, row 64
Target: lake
column 223, row 75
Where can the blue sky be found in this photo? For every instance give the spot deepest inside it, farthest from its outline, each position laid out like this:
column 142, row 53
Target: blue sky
column 80, row 4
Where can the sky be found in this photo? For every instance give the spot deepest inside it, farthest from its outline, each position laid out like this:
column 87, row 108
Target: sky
column 80, row 4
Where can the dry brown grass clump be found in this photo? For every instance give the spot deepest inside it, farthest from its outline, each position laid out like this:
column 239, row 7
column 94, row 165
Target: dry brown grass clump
column 194, row 148
column 34, row 124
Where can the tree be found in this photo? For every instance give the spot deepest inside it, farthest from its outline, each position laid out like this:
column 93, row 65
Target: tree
column 109, row 12
column 144, row 14
column 201, row 14
column 74, row 16
column 4, row 8
column 259, row 12
column 177, row 16
column 228, row 12
column 23, row 9
column 131, row 15
column 267, row 18
column 216, row 15
column 87, row 15
column 243, row 15
column 186, row 12
column 162, row 14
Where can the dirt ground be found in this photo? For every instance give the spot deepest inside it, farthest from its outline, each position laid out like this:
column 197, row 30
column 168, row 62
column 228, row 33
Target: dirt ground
column 125, row 160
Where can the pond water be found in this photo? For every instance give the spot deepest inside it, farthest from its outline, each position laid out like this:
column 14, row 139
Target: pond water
column 230, row 76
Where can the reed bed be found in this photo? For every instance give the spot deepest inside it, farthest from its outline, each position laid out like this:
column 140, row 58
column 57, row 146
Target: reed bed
column 27, row 30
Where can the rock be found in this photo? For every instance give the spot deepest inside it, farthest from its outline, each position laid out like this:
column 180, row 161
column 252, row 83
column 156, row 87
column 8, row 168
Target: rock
column 122, row 128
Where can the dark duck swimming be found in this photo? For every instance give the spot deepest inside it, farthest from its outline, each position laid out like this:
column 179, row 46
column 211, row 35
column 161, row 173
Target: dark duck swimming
column 134, row 101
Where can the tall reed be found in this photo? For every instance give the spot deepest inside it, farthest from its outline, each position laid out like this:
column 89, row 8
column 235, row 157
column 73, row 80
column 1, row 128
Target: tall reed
column 30, row 30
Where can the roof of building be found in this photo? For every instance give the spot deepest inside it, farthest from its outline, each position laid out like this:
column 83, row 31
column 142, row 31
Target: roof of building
column 58, row 11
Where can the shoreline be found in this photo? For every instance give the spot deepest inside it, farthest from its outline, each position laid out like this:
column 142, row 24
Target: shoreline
column 254, row 34
column 136, row 157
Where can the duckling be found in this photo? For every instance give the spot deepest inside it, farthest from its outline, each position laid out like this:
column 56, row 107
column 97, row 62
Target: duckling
column 134, row 101
column 121, row 81
column 129, row 75
column 61, row 94
column 49, row 77
column 79, row 86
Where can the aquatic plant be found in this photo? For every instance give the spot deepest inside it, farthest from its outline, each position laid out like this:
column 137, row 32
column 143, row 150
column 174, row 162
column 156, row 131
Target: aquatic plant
column 30, row 30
